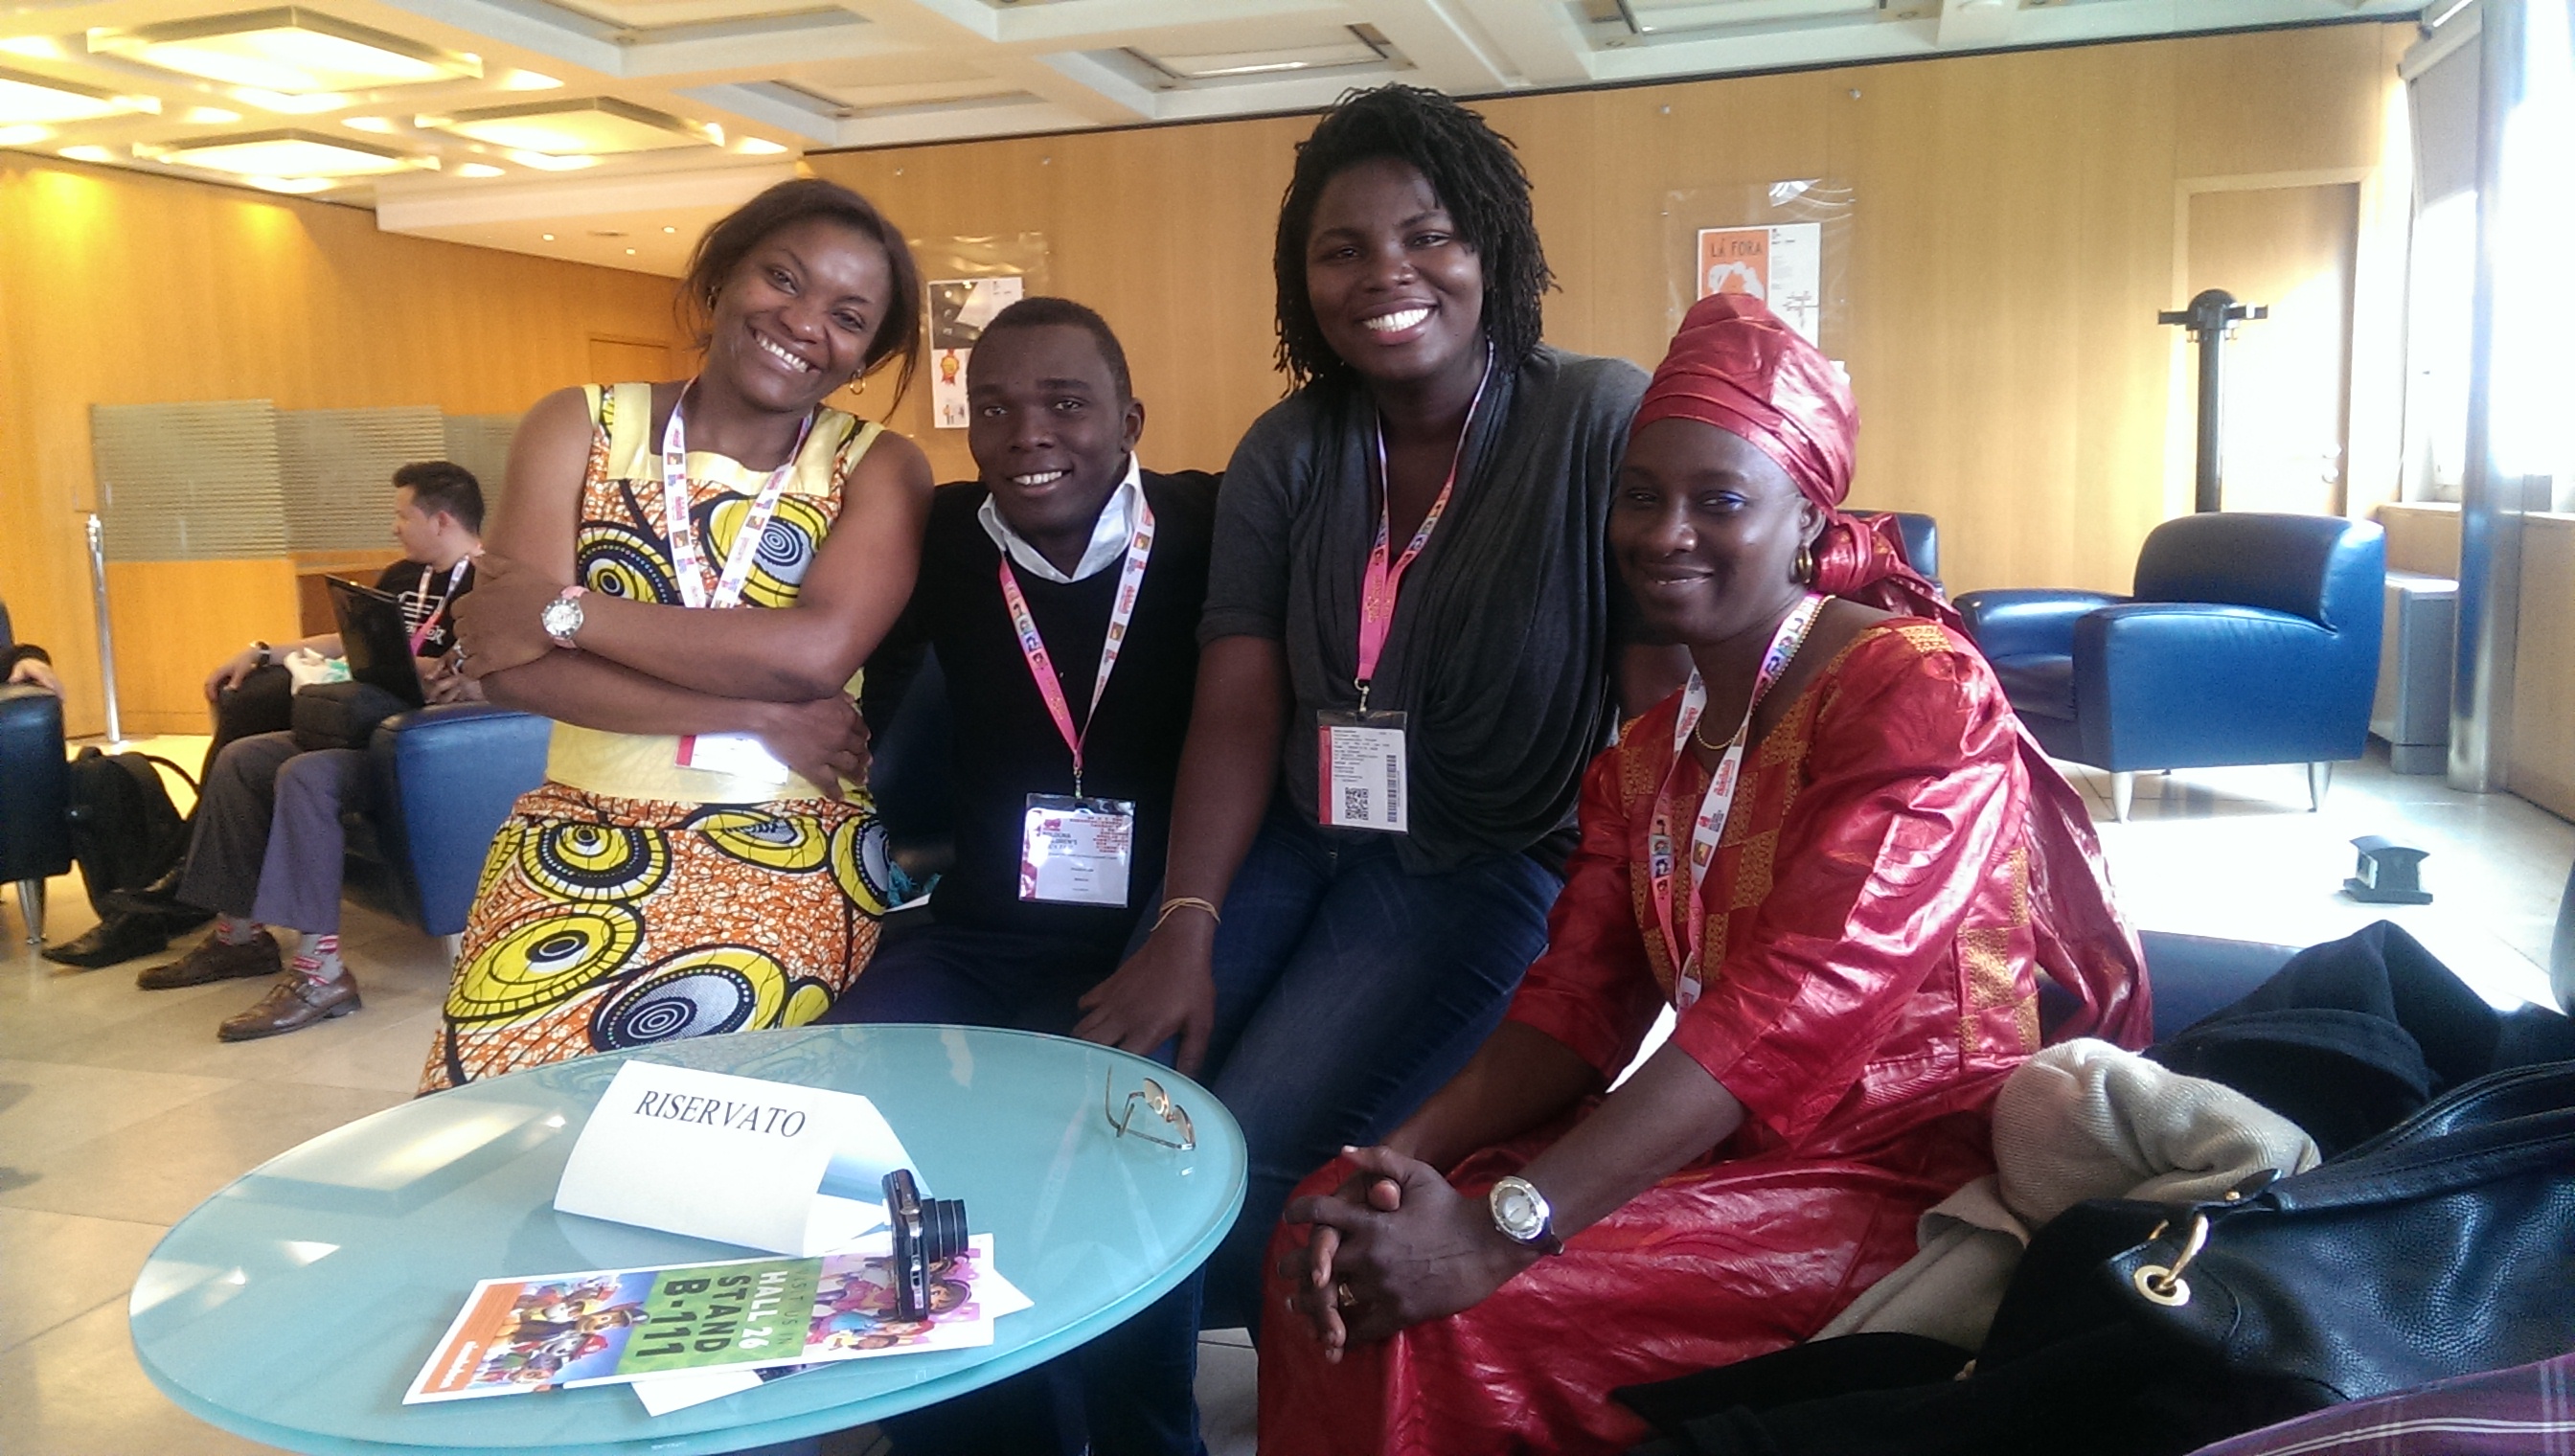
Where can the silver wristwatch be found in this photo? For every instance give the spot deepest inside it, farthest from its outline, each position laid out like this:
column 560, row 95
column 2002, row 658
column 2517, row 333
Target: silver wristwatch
column 1520, row 1211
column 562, row 616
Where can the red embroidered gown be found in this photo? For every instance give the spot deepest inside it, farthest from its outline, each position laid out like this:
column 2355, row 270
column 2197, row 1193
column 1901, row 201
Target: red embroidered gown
column 1900, row 869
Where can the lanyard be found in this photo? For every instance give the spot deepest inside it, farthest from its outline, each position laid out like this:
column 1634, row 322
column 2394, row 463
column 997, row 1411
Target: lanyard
column 428, row 624
column 1130, row 580
column 1719, row 804
column 1378, row 587
column 688, row 564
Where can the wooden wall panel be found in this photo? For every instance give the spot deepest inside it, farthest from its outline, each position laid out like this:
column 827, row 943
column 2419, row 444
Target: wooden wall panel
column 117, row 288
column 2421, row 538
column 2542, row 762
column 2014, row 235
column 174, row 621
column 2288, row 375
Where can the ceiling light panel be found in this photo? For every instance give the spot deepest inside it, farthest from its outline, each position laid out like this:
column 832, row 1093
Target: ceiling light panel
column 597, row 126
column 1216, row 65
column 1665, row 17
column 42, row 99
column 290, row 51
column 286, row 154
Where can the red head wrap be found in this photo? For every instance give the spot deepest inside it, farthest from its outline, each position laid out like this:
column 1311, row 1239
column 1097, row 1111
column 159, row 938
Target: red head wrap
column 1735, row 366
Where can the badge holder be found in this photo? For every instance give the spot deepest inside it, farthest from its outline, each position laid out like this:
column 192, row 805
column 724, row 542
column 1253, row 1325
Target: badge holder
column 1076, row 850
column 1363, row 783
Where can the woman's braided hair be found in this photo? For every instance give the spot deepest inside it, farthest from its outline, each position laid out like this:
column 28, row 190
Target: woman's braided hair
column 1475, row 174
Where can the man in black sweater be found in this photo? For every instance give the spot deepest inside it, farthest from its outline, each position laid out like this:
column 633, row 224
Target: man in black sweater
column 1061, row 591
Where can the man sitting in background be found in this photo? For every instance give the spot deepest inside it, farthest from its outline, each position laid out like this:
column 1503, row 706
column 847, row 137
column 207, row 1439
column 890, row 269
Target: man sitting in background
column 267, row 846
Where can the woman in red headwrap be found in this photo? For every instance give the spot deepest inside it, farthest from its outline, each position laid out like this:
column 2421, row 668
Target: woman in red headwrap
column 1836, row 855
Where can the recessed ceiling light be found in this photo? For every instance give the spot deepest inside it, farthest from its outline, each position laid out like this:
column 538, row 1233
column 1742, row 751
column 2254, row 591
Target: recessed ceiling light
column 479, row 169
column 549, row 237
column 210, row 115
column 90, row 154
column 288, row 50
column 26, row 98
column 669, row 230
column 297, row 185
column 630, row 252
column 291, row 105
column 379, row 124
column 575, row 127
column 286, row 154
column 19, row 135
column 544, row 162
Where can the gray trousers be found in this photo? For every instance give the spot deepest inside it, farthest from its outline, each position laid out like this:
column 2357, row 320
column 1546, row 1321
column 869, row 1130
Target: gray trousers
column 267, row 844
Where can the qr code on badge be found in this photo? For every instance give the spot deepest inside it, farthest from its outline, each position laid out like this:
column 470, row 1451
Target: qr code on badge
column 1354, row 805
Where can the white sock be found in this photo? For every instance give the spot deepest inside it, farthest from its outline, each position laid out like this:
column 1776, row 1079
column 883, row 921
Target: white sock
column 234, row 929
column 319, row 958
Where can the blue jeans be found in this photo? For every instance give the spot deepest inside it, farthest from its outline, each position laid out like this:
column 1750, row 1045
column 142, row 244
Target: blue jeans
column 1347, row 992
column 1129, row 1390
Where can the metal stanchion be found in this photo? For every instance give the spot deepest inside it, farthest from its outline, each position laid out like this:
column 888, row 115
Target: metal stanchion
column 105, row 633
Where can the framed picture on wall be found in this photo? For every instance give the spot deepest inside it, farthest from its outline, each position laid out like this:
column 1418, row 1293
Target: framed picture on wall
column 1782, row 265
column 959, row 310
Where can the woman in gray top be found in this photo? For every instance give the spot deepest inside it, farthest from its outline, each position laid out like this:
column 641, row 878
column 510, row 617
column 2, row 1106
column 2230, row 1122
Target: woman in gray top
column 1409, row 653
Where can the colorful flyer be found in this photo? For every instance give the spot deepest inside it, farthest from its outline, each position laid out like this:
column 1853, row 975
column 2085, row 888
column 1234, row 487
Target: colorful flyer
column 1782, row 266
column 959, row 310
column 611, row 1326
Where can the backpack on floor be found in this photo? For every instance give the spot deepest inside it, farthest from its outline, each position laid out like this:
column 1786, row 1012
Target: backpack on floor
column 126, row 832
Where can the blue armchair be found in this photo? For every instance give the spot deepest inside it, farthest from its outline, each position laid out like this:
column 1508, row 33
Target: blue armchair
column 35, row 798
column 2250, row 639
column 444, row 778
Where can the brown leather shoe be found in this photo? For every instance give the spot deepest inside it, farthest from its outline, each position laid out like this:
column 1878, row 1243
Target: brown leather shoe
column 214, row 960
column 295, row 1000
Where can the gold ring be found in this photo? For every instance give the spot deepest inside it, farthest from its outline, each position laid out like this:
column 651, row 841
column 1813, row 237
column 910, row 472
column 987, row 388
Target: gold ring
column 1342, row 1297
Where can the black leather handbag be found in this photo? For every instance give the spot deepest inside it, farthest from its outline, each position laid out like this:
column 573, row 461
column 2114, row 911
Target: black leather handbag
column 2445, row 1246
column 342, row 714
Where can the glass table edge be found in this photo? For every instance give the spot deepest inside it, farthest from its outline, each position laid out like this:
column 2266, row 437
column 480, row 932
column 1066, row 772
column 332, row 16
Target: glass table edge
column 744, row 1437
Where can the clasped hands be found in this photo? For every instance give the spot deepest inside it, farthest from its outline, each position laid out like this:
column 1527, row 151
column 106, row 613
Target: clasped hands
column 500, row 625
column 1393, row 1246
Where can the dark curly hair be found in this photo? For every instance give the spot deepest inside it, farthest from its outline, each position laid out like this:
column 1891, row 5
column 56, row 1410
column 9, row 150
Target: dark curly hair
column 1471, row 170
column 1042, row 311
column 723, row 247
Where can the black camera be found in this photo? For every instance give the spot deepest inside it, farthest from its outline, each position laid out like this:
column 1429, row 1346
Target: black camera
column 927, row 1232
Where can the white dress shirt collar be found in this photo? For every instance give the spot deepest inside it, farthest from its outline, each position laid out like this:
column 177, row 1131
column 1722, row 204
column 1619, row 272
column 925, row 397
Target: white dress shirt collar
column 1109, row 536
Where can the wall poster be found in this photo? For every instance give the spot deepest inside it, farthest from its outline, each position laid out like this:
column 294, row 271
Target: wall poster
column 1782, row 265
column 959, row 310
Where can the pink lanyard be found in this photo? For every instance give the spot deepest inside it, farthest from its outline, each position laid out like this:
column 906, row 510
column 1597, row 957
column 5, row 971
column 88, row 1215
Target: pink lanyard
column 1717, row 805
column 1130, row 580
column 430, row 624
column 688, row 564
column 1377, row 590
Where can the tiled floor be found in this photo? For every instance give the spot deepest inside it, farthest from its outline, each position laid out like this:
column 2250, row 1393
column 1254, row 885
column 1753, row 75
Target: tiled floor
column 119, row 1110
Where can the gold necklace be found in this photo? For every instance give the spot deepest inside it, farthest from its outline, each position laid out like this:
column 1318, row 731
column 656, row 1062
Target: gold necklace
column 1700, row 736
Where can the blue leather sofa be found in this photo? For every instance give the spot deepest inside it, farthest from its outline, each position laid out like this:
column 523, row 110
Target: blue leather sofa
column 444, row 778
column 2250, row 639
column 35, row 798
column 35, row 792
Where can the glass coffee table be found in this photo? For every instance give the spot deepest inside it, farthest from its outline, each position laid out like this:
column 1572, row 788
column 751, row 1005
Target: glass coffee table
column 295, row 1306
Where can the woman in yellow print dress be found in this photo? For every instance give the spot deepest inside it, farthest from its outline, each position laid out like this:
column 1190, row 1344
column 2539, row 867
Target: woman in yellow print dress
column 699, row 858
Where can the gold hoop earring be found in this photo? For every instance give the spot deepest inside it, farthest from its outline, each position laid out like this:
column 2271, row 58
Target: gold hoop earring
column 1807, row 565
